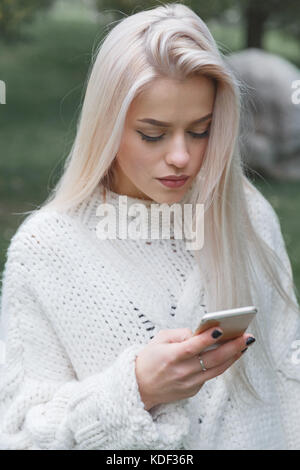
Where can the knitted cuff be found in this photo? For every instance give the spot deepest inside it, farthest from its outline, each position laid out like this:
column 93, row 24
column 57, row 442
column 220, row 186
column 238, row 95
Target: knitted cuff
column 107, row 412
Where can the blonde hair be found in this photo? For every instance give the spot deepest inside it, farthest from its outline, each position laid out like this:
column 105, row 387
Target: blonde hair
column 172, row 41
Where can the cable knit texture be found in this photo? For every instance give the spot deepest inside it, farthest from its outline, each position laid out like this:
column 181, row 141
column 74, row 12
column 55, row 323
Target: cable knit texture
column 76, row 311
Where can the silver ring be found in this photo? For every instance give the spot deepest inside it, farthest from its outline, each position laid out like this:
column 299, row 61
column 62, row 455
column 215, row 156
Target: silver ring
column 202, row 365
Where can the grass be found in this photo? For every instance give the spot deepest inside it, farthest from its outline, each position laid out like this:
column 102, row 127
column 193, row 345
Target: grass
column 45, row 76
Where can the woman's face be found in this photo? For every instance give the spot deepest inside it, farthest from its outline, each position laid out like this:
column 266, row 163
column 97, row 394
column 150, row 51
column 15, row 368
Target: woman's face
column 175, row 147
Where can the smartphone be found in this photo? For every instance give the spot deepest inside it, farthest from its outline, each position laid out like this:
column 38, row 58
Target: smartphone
column 233, row 322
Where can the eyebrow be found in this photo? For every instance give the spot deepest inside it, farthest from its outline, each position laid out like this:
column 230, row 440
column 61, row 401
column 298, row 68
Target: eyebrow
column 154, row 122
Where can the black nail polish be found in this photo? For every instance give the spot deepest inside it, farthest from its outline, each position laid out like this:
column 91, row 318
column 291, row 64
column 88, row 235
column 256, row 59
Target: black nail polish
column 250, row 340
column 244, row 350
column 216, row 333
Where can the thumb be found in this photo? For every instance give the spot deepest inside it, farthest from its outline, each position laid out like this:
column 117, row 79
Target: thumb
column 172, row 336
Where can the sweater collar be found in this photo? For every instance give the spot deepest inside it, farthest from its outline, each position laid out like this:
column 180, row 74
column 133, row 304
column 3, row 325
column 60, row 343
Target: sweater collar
column 143, row 215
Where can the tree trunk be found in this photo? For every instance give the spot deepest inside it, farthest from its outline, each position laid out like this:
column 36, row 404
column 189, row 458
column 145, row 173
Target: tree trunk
column 255, row 17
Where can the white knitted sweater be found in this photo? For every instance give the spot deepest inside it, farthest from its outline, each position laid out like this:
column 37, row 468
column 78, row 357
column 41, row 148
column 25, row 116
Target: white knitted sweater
column 77, row 311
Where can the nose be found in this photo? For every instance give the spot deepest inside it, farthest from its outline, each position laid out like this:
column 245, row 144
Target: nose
column 177, row 153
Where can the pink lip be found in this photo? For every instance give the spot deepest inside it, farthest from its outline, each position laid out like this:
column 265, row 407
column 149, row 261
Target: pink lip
column 173, row 177
column 173, row 183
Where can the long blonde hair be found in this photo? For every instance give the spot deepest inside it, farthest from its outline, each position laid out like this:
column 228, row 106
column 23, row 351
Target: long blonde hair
column 172, row 41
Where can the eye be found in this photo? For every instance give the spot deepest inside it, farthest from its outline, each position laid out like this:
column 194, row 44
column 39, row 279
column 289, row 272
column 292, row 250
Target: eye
column 200, row 136
column 155, row 139
column 150, row 139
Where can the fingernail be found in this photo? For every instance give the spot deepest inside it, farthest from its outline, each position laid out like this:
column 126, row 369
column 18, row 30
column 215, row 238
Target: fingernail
column 216, row 333
column 250, row 340
column 244, row 350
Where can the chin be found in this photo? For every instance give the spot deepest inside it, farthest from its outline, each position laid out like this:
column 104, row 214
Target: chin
column 170, row 199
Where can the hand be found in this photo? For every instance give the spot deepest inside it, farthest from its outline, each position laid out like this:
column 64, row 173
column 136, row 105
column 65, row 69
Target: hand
column 168, row 368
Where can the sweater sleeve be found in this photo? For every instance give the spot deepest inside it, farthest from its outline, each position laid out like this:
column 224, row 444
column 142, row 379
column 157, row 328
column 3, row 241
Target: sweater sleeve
column 285, row 326
column 44, row 406
column 285, row 336
column 283, row 322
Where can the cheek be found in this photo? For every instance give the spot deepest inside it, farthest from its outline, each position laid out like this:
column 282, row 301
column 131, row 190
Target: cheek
column 131, row 158
column 135, row 154
column 198, row 155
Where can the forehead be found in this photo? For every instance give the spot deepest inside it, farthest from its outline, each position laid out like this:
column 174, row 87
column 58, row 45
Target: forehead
column 168, row 99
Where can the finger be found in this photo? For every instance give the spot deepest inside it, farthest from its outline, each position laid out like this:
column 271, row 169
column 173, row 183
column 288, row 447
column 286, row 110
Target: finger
column 176, row 335
column 196, row 344
column 224, row 352
column 218, row 370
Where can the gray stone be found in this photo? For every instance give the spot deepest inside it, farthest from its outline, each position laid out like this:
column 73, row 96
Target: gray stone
column 270, row 121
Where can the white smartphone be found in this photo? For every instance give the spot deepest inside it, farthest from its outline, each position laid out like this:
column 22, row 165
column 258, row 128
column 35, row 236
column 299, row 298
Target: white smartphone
column 233, row 322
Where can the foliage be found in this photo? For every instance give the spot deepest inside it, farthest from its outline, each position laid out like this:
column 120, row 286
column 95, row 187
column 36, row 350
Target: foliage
column 13, row 13
column 256, row 15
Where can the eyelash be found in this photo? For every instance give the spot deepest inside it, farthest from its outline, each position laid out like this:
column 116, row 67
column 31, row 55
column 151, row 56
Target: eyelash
column 155, row 139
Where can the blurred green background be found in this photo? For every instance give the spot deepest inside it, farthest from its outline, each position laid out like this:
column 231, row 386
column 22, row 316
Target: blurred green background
column 44, row 62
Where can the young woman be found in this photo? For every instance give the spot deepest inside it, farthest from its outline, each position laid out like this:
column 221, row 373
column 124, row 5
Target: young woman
column 100, row 352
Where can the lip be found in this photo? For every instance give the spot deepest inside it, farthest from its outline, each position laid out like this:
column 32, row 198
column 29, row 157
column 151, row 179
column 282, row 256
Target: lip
column 174, row 178
column 173, row 183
